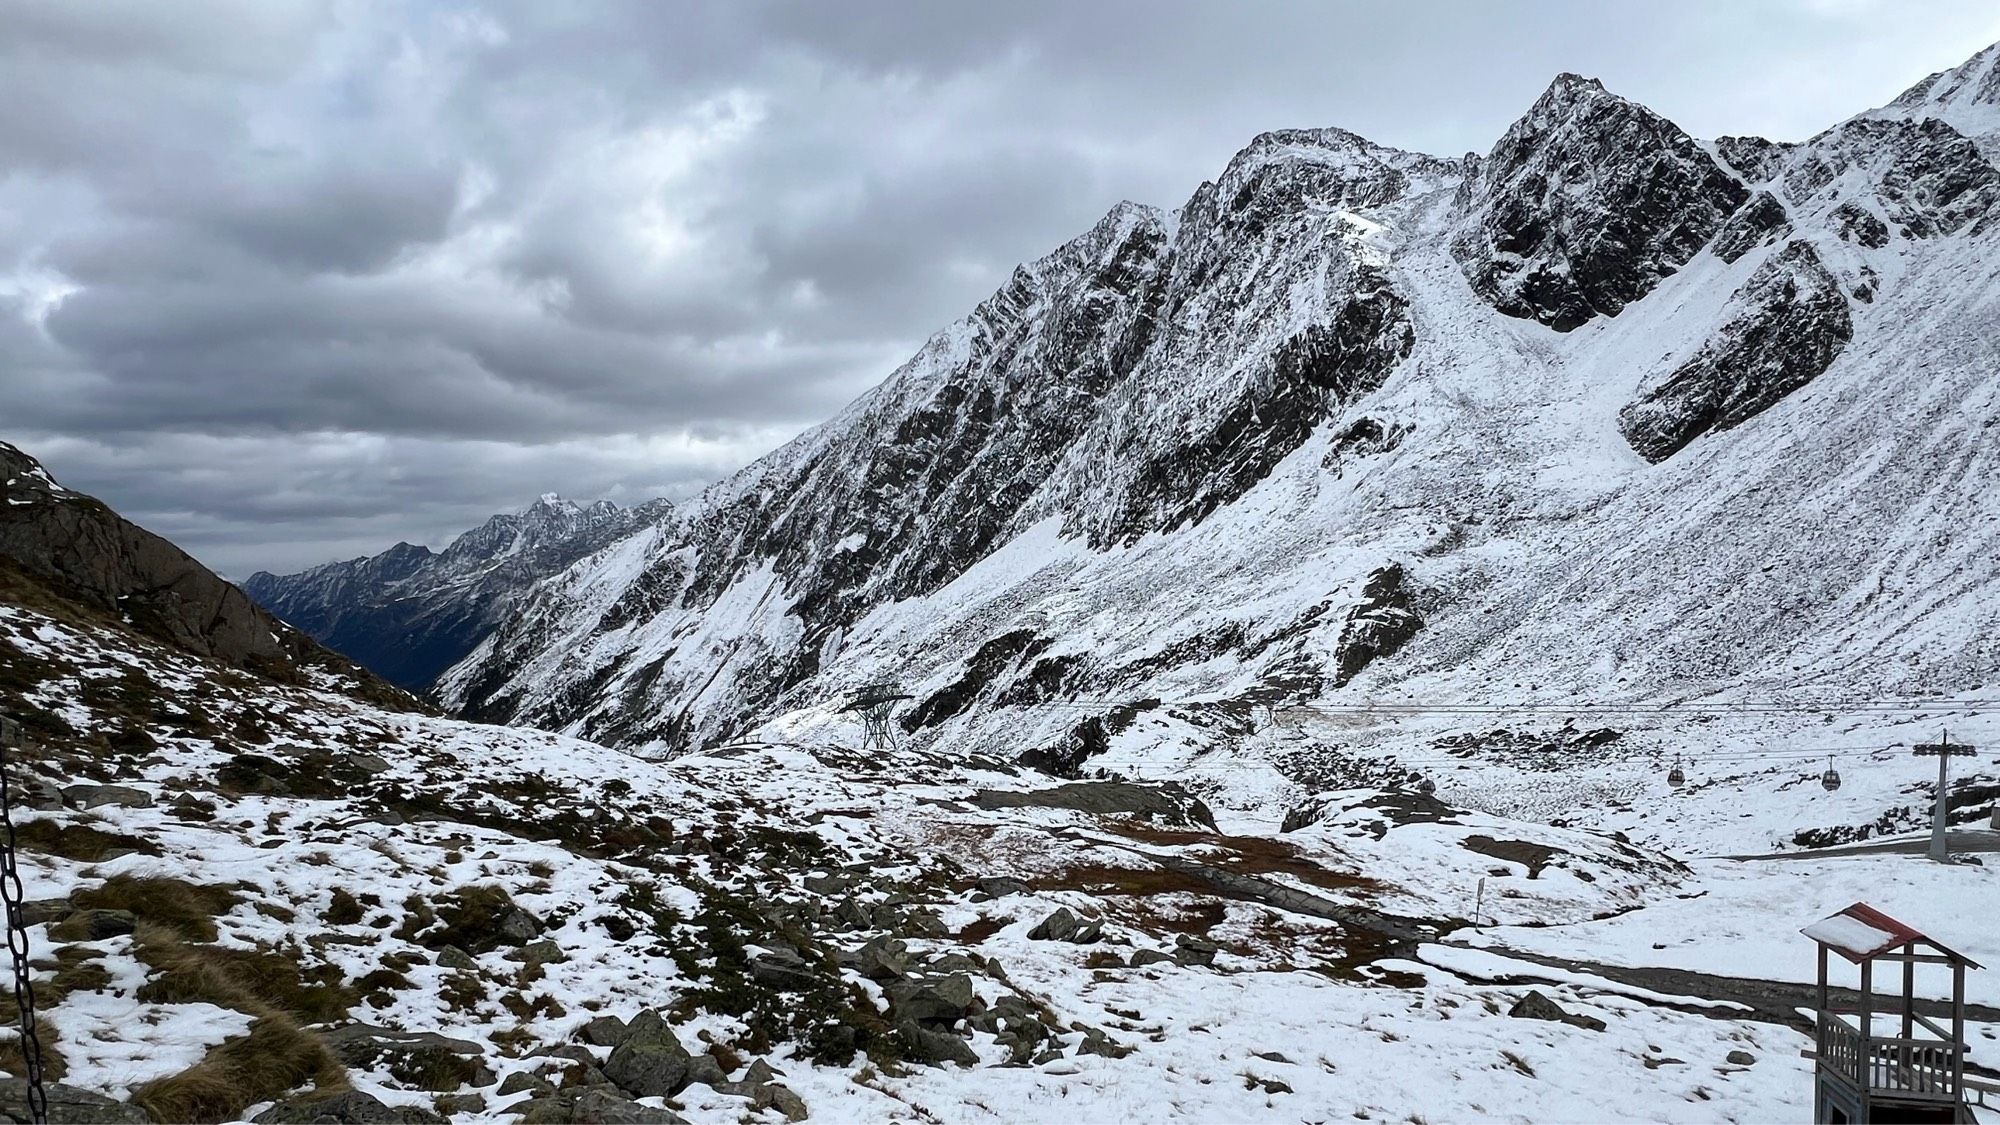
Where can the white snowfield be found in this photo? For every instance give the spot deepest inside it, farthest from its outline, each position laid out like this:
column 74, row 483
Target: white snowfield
column 1300, row 1017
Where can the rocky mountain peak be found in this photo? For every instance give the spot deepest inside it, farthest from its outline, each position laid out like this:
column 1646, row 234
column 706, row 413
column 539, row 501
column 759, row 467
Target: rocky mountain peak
column 1585, row 204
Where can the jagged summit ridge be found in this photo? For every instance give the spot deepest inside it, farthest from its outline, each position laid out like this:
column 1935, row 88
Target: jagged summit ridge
column 1180, row 456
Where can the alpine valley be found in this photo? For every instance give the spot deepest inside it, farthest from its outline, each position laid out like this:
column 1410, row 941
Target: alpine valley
column 1301, row 596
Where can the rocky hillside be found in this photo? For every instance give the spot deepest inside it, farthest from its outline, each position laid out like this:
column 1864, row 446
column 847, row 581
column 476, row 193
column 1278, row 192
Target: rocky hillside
column 1608, row 413
column 67, row 553
column 273, row 902
column 409, row 613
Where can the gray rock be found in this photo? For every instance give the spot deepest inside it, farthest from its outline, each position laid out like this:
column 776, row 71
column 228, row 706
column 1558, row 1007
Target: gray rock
column 923, row 1045
column 543, row 952
column 604, row 1031
column 1145, row 957
column 650, row 1063
column 829, row 884
column 881, row 959
column 999, row 886
column 461, row 1103
column 97, row 796
column 782, row 970
column 452, row 957
column 1194, row 951
column 94, row 925
column 1063, row 925
column 349, row 1107
column 758, row 1073
column 1536, row 1006
column 649, row 1028
column 423, row 1059
column 68, row 1105
column 1741, row 1058
column 1095, row 1042
column 594, row 1107
column 1166, row 803
column 771, row 1095
column 705, row 1071
column 945, row 999
column 525, row 1081
column 370, row 764
column 44, row 910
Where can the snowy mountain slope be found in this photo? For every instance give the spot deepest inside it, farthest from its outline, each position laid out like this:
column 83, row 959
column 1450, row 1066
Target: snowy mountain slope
column 1966, row 97
column 477, row 920
column 408, row 613
column 1303, row 450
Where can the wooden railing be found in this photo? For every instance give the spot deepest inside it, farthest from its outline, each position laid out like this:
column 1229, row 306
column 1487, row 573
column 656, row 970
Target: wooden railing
column 1925, row 1068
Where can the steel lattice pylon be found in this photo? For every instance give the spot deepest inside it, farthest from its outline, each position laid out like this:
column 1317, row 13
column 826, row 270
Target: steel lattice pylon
column 875, row 702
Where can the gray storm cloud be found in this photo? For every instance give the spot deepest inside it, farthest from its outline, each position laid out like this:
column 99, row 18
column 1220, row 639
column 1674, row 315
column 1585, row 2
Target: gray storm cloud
column 292, row 281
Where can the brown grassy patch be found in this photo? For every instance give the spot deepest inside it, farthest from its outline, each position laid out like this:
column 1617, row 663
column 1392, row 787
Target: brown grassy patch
column 276, row 1057
column 79, row 842
column 185, row 910
column 14, row 1060
column 1251, row 855
column 279, row 994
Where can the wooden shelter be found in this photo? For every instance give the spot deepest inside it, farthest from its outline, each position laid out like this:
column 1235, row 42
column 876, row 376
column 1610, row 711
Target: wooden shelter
column 1881, row 1060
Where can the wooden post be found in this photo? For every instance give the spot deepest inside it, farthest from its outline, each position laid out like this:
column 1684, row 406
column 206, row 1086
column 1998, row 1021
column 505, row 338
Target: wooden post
column 1866, row 1015
column 1909, row 992
column 1958, row 1028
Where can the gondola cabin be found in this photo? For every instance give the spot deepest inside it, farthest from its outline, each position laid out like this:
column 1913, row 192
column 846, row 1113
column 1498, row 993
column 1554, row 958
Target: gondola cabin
column 1877, row 1058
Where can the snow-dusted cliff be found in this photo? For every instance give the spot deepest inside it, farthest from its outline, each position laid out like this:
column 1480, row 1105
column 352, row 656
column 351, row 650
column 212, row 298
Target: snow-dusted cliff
column 1609, row 412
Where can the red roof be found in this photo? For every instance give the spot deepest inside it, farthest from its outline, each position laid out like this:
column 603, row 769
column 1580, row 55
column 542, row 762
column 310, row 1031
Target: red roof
column 1861, row 932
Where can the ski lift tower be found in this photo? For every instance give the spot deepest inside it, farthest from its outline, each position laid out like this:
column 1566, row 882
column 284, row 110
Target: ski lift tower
column 1882, row 1060
column 875, row 702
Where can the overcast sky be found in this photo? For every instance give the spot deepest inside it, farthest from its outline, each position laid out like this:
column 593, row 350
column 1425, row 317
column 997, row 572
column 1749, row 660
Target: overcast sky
column 292, row 281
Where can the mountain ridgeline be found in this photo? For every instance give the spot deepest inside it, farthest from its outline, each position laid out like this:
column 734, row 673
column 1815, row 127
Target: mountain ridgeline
column 1609, row 407
column 409, row 613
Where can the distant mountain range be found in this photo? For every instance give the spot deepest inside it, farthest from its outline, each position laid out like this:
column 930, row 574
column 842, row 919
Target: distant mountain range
column 409, row 613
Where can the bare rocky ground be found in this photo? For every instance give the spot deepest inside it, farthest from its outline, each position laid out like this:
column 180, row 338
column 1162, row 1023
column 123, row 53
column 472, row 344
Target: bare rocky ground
column 276, row 903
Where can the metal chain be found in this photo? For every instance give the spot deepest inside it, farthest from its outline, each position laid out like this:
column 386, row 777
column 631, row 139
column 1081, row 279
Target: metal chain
column 17, row 936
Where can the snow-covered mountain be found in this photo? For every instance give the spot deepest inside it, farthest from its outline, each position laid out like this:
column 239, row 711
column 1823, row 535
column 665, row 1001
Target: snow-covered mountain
column 253, row 897
column 409, row 613
column 1608, row 413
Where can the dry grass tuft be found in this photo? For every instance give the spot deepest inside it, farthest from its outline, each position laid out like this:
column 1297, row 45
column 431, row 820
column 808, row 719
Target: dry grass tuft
column 273, row 988
column 184, row 910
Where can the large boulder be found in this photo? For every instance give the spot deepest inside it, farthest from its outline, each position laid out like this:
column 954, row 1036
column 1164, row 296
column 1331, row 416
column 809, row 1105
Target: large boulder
column 348, row 1107
column 1064, row 925
column 592, row 1107
column 651, row 1061
column 933, row 1000
column 67, row 1106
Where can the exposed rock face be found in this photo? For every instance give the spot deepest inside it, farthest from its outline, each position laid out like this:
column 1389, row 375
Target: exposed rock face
column 1382, row 623
column 1790, row 321
column 1585, row 204
column 83, row 555
column 408, row 614
column 1926, row 178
